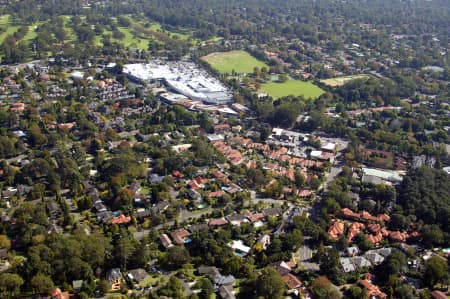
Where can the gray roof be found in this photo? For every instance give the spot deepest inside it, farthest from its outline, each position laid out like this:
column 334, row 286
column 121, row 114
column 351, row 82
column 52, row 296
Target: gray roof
column 144, row 214
column 113, row 274
column 371, row 179
column 347, row 264
column 236, row 217
column 305, row 253
column 77, row 284
column 137, row 274
column 361, row 262
column 224, row 280
column 272, row 211
column 208, row 270
column 374, row 257
column 384, row 251
column 198, row 227
column 155, row 178
column 352, row 250
column 227, row 292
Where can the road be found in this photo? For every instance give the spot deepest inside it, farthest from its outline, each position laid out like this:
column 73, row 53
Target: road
column 183, row 216
column 255, row 199
column 334, row 172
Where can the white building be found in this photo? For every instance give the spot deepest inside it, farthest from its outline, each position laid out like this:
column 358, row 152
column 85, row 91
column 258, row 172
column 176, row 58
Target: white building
column 239, row 247
column 183, row 77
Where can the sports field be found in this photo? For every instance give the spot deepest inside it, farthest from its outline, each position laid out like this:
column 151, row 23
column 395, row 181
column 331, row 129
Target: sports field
column 339, row 81
column 239, row 61
column 292, row 87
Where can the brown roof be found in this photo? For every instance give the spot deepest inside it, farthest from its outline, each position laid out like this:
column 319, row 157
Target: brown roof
column 180, row 235
column 304, row 193
column 291, row 281
column 354, row 229
column 438, row 295
column 346, row 212
column 375, row 239
column 383, row 217
column 398, row 236
column 216, row 194
column 367, row 216
column 374, row 228
column 221, row 127
column 217, row 222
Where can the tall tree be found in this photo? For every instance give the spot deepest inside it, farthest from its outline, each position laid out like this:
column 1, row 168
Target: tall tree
column 269, row 284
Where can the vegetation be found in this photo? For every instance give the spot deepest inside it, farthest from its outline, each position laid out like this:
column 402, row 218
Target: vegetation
column 233, row 62
column 424, row 193
column 291, row 88
column 99, row 171
column 339, row 81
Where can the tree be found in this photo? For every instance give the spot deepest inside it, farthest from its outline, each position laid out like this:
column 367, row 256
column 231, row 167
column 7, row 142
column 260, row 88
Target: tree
column 124, row 249
column 173, row 289
column 330, row 266
column 355, row 292
column 436, row 269
column 10, row 285
column 270, row 284
column 283, row 78
column 432, row 235
column 292, row 240
column 42, row 284
column 424, row 193
column 322, row 288
column 177, row 256
column 4, row 242
column 207, row 288
column 391, row 266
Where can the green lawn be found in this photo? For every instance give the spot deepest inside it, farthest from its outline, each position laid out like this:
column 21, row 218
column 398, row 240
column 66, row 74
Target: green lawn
column 130, row 41
column 10, row 29
column 32, row 31
column 239, row 61
column 291, row 87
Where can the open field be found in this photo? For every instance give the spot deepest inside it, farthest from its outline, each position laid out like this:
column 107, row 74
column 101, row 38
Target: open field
column 339, row 81
column 132, row 37
column 7, row 26
column 239, row 61
column 291, row 87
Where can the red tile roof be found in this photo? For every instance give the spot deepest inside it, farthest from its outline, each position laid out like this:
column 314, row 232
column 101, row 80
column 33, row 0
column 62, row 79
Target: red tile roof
column 398, row 236
column 121, row 219
column 335, row 230
column 372, row 289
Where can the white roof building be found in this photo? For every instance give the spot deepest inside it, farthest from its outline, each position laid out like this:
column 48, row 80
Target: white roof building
column 184, row 77
column 390, row 176
column 238, row 245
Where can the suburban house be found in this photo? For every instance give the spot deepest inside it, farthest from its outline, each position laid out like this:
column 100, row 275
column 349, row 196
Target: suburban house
column 165, row 241
column 227, row 292
column 292, row 283
column 180, row 236
column 114, row 278
column 239, row 247
column 237, row 219
column 137, row 275
column 264, row 241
